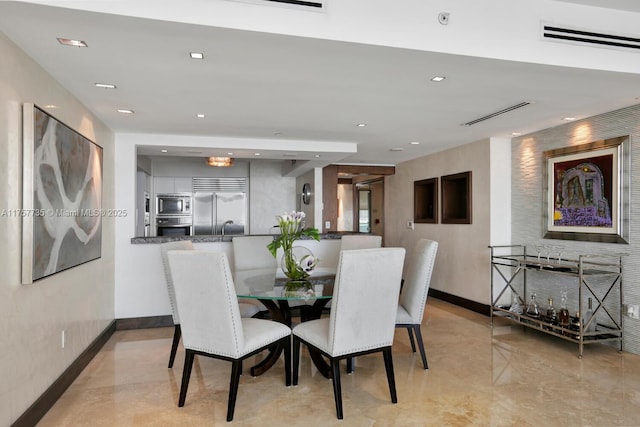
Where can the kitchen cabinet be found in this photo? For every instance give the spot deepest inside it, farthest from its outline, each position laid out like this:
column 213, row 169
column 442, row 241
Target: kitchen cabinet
column 596, row 277
column 170, row 184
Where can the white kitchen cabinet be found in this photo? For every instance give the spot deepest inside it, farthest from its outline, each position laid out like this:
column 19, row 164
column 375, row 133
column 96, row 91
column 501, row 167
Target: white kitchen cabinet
column 182, row 185
column 170, row 184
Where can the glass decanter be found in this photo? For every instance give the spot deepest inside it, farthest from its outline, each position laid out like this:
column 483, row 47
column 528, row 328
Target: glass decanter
column 587, row 316
column 552, row 314
column 564, row 319
column 516, row 305
column 532, row 307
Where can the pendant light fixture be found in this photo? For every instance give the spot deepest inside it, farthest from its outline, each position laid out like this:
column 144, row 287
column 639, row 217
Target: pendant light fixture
column 220, row 161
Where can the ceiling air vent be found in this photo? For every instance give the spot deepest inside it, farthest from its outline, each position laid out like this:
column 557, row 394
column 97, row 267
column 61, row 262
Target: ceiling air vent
column 497, row 113
column 317, row 4
column 301, row 4
column 570, row 35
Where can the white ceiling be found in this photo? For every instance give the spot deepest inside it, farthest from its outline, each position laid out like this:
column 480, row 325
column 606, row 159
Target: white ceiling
column 300, row 92
column 628, row 5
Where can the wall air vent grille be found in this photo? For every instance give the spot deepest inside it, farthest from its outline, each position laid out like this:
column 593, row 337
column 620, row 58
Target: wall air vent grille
column 220, row 185
column 497, row 113
column 582, row 37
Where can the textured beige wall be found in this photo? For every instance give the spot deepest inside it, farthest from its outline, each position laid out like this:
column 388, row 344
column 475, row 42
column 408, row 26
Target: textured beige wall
column 527, row 172
column 462, row 264
column 79, row 300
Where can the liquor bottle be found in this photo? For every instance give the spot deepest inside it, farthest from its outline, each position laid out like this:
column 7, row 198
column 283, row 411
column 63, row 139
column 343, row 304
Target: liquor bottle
column 587, row 316
column 575, row 325
column 552, row 315
column 532, row 307
column 563, row 316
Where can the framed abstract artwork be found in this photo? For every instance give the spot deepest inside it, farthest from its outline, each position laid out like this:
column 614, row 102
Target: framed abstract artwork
column 62, row 197
column 587, row 192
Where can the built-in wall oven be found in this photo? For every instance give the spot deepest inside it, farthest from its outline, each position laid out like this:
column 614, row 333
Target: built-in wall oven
column 173, row 225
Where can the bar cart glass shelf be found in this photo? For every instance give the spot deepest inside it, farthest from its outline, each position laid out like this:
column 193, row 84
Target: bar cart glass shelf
column 517, row 274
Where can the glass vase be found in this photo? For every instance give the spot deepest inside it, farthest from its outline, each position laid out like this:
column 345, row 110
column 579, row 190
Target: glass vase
column 300, row 288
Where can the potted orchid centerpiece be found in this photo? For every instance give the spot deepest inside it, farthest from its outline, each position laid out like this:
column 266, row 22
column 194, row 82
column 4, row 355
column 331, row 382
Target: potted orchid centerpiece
column 297, row 267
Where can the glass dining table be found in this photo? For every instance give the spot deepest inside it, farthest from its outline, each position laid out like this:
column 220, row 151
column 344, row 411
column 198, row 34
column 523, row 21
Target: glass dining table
column 263, row 286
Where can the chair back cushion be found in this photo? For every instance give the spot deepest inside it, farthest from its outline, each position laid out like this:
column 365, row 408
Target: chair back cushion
column 418, row 278
column 365, row 300
column 358, row 241
column 251, row 253
column 209, row 314
column 181, row 245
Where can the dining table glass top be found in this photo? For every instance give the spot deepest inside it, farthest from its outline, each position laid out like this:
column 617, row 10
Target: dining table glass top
column 263, row 284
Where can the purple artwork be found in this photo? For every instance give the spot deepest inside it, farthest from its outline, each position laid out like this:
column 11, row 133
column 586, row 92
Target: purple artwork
column 583, row 192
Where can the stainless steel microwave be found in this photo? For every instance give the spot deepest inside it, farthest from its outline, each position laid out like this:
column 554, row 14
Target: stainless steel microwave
column 173, row 204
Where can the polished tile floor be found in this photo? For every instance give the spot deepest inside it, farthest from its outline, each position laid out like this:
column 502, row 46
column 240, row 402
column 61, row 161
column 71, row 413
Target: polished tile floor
column 478, row 376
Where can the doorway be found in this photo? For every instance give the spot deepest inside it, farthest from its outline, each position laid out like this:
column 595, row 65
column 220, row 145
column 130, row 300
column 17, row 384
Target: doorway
column 369, row 199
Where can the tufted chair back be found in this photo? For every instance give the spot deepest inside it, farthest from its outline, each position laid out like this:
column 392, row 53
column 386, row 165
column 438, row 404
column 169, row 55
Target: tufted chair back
column 418, row 278
column 360, row 241
column 365, row 300
column 203, row 284
column 251, row 253
column 181, row 245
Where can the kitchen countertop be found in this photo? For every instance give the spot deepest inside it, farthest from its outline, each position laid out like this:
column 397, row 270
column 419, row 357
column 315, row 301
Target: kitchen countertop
column 336, row 235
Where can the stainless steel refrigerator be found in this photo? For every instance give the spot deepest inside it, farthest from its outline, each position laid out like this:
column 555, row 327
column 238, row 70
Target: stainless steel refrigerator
column 219, row 213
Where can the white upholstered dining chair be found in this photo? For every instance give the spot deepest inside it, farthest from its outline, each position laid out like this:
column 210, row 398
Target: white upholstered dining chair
column 415, row 290
column 181, row 245
column 350, row 242
column 210, row 319
column 253, row 265
column 360, row 241
column 246, row 310
column 362, row 318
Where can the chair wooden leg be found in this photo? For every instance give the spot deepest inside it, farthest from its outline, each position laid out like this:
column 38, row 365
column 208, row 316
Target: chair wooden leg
column 296, row 359
column 186, row 374
column 177, row 332
column 236, row 368
column 413, row 344
column 287, row 360
column 423, row 354
column 337, row 388
column 388, row 365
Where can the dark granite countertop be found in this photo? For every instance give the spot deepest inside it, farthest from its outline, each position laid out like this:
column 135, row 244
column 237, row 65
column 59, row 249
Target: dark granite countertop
column 207, row 239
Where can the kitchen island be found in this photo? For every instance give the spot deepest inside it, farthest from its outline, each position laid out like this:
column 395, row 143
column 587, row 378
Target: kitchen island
column 337, row 235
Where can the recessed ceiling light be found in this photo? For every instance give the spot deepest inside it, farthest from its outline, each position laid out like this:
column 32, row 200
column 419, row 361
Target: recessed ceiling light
column 230, row 153
column 50, row 106
column 125, row 111
column 196, row 55
column 361, row 125
column 164, row 151
column 256, row 154
column 316, row 156
column 515, row 134
column 414, row 143
column 396, row 149
column 200, row 116
column 437, row 78
column 105, row 85
column 72, row 42
column 568, row 119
